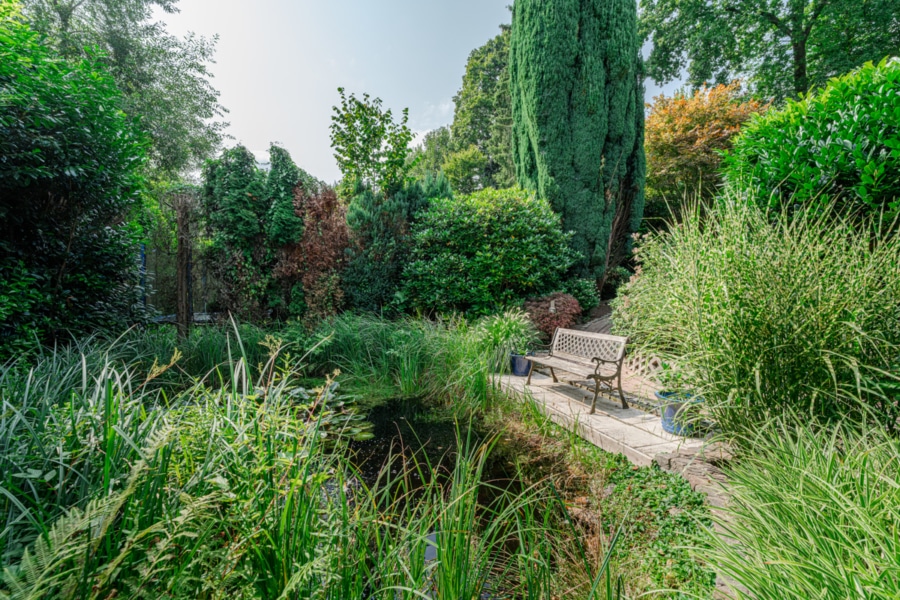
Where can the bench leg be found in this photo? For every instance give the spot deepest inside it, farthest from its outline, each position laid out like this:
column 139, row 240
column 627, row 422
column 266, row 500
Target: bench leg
column 553, row 373
column 530, row 371
column 622, row 394
column 596, row 393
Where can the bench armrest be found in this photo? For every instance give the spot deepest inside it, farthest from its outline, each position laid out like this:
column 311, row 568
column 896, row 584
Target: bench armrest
column 600, row 362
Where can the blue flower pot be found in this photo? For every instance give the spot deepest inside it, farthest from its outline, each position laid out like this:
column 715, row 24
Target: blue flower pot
column 673, row 417
column 520, row 365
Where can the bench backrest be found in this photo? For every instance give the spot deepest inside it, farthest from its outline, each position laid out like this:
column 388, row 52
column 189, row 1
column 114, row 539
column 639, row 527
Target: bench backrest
column 582, row 346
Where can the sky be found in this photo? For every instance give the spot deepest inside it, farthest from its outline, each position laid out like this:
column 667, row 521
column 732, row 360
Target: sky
column 279, row 63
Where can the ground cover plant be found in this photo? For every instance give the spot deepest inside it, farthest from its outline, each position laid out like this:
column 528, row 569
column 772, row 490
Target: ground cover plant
column 766, row 312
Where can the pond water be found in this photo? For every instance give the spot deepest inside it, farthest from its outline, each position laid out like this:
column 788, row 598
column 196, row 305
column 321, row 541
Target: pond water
column 406, row 430
column 409, row 432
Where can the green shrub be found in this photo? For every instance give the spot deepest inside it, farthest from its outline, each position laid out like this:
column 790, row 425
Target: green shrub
column 70, row 179
column 771, row 312
column 585, row 291
column 380, row 240
column 813, row 514
column 841, row 143
column 483, row 252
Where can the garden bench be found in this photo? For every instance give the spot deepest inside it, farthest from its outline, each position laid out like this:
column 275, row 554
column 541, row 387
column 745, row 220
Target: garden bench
column 597, row 356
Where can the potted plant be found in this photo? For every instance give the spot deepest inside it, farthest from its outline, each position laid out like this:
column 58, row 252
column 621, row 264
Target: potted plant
column 519, row 363
column 677, row 402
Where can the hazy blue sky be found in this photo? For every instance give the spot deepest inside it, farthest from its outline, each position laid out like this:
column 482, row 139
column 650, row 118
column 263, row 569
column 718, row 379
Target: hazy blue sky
column 279, row 62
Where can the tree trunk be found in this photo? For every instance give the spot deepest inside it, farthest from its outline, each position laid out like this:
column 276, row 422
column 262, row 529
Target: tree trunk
column 184, row 313
column 801, row 79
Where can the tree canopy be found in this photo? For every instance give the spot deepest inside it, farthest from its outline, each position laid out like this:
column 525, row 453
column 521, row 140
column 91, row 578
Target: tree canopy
column 163, row 79
column 686, row 136
column 784, row 47
column 69, row 184
column 369, row 146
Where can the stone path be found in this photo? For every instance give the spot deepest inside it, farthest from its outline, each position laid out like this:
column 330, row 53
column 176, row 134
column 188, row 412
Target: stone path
column 633, row 432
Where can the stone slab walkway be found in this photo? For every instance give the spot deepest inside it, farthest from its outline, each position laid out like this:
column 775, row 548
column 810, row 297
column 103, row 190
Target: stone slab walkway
column 632, row 432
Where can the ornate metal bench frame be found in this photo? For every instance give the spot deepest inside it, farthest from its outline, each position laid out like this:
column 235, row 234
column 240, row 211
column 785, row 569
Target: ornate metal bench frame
column 586, row 354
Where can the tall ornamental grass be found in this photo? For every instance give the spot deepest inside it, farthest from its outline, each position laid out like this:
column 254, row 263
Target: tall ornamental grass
column 813, row 514
column 114, row 488
column 772, row 311
column 450, row 360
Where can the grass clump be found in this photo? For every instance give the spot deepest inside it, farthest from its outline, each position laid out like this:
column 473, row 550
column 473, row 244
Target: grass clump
column 813, row 514
column 769, row 312
column 113, row 487
column 451, row 360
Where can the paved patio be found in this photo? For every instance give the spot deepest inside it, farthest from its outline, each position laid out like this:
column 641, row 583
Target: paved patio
column 633, row 432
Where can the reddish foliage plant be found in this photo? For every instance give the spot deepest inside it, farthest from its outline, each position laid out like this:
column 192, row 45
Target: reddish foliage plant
column 686, row 136
column 555, row 310
column 318, row 259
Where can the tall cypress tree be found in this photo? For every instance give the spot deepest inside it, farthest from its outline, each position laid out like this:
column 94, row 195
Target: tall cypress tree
column 578, row 119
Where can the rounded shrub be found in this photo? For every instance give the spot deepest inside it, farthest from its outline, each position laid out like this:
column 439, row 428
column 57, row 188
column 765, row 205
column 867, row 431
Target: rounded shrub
column 479, row 253
column 553, row 311
column 585, row 291
column 840, row 144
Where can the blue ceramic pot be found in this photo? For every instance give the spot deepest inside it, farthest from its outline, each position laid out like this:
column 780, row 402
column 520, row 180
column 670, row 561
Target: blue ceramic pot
column 520, row 365
column 673, row 417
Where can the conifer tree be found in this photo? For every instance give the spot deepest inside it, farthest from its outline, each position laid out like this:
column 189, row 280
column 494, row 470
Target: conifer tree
column 578, row 119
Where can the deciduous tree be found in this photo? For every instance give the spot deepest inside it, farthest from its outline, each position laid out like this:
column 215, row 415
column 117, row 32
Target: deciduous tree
column 785, row 47
column 685, row 138
column 164, row 80
column 370, row 148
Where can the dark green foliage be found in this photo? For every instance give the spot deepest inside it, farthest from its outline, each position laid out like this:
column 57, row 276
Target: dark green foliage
column 578, row 118
column 482, row 252
column 163, row 79
column 843, row 143
column 259, row 240
column 283, row 225
column 69, row 181
column 483, row 114
column 381, row 240
column 784, row 48
column 370, row 148
column 585, row 291
column 235, row 205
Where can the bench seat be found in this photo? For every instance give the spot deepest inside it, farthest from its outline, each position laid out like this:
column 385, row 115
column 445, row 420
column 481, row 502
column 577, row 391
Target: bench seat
column 594, row 356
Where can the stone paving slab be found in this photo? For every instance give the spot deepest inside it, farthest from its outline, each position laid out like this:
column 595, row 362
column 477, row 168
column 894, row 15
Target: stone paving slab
column 632, row 432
